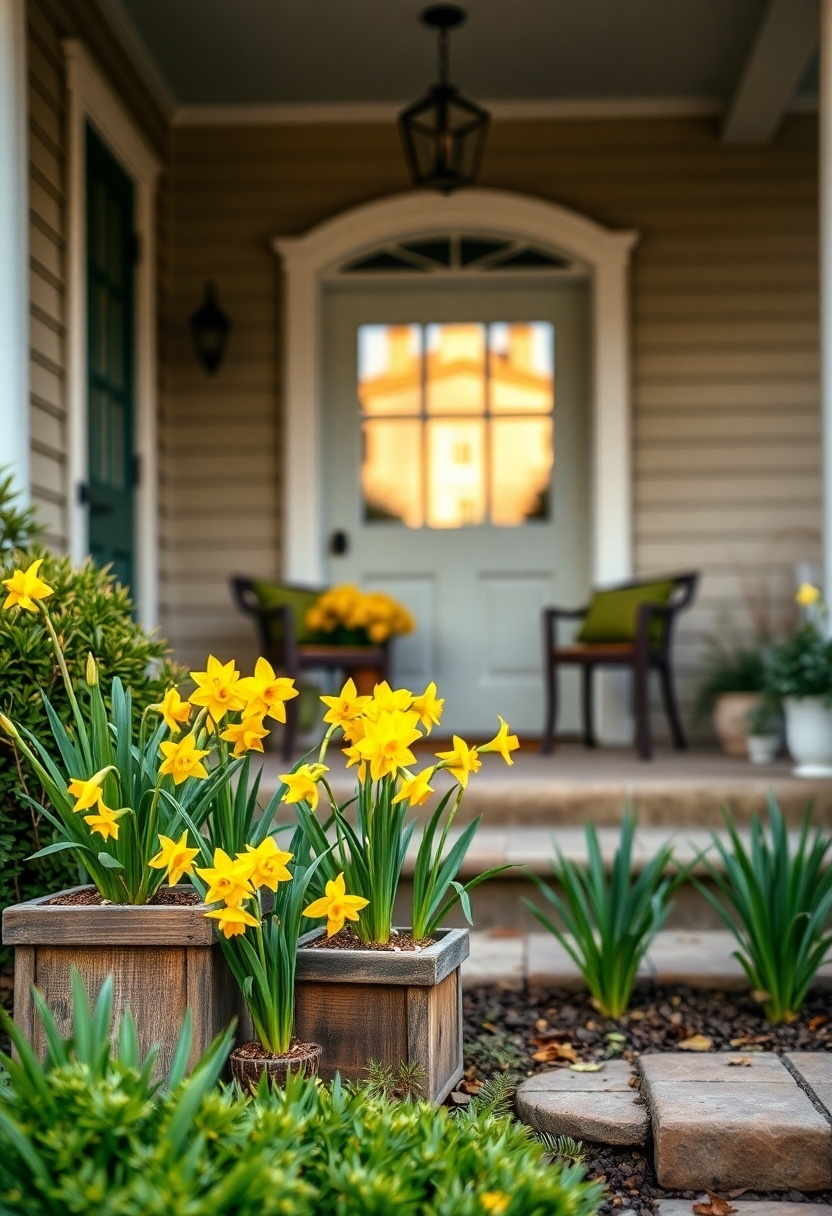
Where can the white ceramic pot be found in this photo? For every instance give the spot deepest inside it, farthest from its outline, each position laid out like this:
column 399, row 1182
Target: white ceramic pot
column 731, row 722
column 809, row 736
column 763, row 749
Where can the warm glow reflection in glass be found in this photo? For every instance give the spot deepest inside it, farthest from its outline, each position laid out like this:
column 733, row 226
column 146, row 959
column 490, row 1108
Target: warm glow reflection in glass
column 489, row 457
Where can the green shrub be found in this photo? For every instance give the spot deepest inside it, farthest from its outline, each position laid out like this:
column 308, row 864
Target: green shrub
column 87, row 1131
column 727, row 668
column 782, row 901
column 609, row 919
column 801, row 666
column 90, row 613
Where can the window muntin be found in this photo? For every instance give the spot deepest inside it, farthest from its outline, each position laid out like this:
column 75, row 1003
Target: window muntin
column 457, row 422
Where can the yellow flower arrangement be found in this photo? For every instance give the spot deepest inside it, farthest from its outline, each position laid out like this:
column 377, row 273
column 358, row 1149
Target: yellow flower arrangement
column 347, row 607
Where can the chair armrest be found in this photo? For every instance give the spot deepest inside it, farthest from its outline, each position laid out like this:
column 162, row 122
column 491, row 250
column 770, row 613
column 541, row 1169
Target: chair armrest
column 647, row 613
column 551, row 616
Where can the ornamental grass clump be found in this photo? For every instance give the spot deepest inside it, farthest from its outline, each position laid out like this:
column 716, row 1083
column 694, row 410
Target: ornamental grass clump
column 609, row 919
column 366, row 859
column 777, row 903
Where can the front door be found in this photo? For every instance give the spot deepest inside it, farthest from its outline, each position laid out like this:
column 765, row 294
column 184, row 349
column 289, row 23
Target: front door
column 110, row 257
column 455, row 440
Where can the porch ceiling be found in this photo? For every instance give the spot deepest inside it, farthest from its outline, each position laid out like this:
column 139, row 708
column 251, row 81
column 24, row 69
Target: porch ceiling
column 234, row 52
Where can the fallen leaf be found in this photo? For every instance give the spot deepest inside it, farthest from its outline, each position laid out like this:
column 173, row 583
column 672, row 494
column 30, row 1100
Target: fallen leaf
column 819, row 1020
column 585, row 1066
column 634, row 1083
column 716, row 1206
column 697, row 1042
column 739, row 1062
column 615, row 1037
column 489, row 1026
column 555, row 1051
column 636, row 1015
column 541, row 1024
column 760, row 997
column 548, row 1036
column 470, row 1087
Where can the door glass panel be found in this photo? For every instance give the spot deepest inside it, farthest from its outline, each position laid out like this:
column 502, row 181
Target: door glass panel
column 521, row 461
column 391, row 471
column 390, row 369
column 521, row 367
column 455, row 372
column 456, row 472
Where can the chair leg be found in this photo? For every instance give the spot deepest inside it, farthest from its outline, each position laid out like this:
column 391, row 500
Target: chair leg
column 671, row 708
column 290, row 729
column 644, row 742
column 551, row 721
column 589, row 709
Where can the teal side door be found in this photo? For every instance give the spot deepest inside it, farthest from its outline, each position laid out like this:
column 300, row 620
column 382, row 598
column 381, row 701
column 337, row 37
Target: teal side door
column 110, row 322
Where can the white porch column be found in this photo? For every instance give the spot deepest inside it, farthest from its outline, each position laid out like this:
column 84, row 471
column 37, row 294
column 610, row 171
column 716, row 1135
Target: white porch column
column 14, row 245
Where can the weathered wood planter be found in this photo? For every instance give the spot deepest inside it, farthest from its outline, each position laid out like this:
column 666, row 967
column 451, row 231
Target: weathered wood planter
column 386, row 1007
column 163, row 958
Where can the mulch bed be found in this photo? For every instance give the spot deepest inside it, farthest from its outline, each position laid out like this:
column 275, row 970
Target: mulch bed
column 179, row 896
column 255, row 1051
column 505, row 1031
column 348, row 939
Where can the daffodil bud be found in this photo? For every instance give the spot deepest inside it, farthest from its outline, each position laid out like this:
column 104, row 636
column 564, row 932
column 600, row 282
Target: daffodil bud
column 92, row 671
column 8, row 727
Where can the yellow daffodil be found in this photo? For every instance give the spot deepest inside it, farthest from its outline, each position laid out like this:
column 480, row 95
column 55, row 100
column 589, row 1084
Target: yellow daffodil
column 104, row 821
column 416, row 789
column 24, row 588
column 230, row 879
column 503, row 742
column 303, row 784
column 495, row 1202
column 429, row 707
column 182, row 760
column 174, row 710
column 87, row 793
column 354, row 758
column 266, row 693
column 336, row 906
column 346, row 706
column 175, row 857
column 217, row 688
column 354, row 730
column 386, row 743
column 270, row 864
column 807, row 595
column 247, row 736
column 386, row 699
column 462, row 761
column 232, row 920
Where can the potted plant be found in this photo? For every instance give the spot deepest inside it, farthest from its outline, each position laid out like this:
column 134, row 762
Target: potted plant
column 799, row 673
column 372, row 991
column 730, row 686
column 763, row 731
column 114, row 796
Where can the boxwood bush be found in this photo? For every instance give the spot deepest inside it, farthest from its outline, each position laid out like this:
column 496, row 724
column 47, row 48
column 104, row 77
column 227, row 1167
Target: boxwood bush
column 89, row 1130
column 90, row 613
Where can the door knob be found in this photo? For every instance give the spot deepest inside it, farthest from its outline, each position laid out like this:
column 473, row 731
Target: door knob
column 339, row 543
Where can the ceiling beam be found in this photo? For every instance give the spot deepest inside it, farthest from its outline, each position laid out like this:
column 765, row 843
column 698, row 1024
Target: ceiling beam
column 782, row 51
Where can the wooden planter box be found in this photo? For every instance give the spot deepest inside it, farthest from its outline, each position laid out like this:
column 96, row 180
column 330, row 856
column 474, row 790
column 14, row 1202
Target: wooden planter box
column 387, row 1007
column 163, row 959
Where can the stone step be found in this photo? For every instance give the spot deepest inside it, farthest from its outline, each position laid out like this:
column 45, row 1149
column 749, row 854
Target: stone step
column 602, row 1106
column 745, row 1207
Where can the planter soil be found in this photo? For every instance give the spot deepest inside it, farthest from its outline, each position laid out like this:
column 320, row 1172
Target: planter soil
column 249, row 1061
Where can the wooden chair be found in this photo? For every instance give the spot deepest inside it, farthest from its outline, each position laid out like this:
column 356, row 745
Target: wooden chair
column 278, row 640
column 651, row 650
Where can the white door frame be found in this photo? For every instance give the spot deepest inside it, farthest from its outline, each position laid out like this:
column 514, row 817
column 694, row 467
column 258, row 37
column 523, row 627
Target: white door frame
column 92, row 100
column 606, row 256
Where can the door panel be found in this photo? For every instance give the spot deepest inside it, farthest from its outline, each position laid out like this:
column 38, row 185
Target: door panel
column 436, row 467
column 110, row 361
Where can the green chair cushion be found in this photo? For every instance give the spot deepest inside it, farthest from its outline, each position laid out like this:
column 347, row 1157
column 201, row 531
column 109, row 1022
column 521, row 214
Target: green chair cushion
column 613, row 615
column 275, row 595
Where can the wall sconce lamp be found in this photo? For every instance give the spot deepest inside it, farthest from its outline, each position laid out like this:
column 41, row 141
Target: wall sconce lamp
column 210, row 328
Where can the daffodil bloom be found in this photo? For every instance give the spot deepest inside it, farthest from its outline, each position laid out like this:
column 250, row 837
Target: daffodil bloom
column 182, row 760
column 217, row 688
column 175, row 857
column 266, row 693
column 303, row 784
column 24, row 588
column 174, row 710
column 336, row 906
column 807, row 595
column 346, row 706
column 104, row 821
column 386, row 743
column 87, row 793
column 416, row 789
column 230, row 879
column 247, row 736
column 462, row 761
column 354, row 758
column 354, row 730
column 429, row 707
column 270, row 864
column 232, row 920
column 385, row 700
column 503, row 742
column 495, row 1202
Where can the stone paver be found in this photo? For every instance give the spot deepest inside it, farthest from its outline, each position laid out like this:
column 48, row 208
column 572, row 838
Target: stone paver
column 600, row 1106
column 746, row 1207
column 757, row 1128
column 815, row 1067
column 495, row 959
